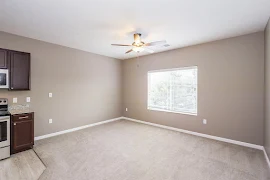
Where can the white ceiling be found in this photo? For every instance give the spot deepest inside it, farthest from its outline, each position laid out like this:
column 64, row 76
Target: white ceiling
column 92, row 25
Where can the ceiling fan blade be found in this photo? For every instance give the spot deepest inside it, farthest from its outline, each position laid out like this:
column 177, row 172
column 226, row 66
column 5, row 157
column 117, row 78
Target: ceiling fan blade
column 120, row 45
column 149, row 50
column 129, row 51
column 156, row 43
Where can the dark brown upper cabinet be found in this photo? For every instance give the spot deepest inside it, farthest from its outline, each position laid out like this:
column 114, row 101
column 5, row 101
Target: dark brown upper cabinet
column 19, row 70
column 3, row 59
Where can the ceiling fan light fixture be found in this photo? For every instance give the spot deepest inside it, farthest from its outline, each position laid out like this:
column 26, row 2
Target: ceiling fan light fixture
column 137, row 49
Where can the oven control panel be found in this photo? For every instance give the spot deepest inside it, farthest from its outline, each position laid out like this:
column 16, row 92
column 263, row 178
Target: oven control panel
column 3, row 101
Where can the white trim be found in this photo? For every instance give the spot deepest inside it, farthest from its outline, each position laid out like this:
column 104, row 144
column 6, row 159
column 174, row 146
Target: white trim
column 199, row 134
column 76, row 129
column 161, row 110
column 173, row 69
column 266, row 157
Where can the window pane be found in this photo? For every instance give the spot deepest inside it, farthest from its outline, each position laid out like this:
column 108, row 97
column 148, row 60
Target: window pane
column 174, row 90
column 159, row 90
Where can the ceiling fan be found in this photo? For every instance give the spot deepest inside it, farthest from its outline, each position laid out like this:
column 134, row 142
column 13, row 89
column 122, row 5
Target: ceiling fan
column 139, row 46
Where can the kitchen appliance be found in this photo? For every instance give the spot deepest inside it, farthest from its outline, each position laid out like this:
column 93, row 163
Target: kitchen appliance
column 4, row 81
column 4, row 129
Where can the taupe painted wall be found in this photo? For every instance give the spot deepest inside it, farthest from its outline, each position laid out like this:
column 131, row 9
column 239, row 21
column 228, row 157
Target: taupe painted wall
column 230, row 87
column 267, row 89
column 86, row 87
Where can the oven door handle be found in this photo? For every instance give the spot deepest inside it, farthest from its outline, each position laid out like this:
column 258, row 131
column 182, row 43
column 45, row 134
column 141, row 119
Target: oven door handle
column 5, row 118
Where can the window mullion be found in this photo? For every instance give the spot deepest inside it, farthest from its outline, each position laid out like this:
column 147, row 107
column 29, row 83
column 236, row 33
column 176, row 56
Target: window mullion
column 170, row 97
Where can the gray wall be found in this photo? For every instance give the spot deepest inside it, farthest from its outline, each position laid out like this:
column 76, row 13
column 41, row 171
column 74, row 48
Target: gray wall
column 86, row 87
column 267, row 90
column 230, row 87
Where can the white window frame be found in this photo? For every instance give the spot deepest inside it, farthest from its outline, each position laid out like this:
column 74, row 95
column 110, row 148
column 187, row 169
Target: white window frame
column 173, row 69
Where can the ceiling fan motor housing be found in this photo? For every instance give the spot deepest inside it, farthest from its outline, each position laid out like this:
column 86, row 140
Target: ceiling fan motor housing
column 137, row 34
column 137, row 39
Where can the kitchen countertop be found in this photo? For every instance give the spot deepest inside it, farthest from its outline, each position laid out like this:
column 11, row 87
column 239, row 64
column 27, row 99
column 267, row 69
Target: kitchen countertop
column 20, row 109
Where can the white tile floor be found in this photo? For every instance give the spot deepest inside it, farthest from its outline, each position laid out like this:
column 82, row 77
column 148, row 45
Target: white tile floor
column 21, row 166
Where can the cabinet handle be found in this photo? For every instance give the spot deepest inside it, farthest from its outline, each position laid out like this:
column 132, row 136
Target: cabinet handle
column 25, row 117
column 14, row 124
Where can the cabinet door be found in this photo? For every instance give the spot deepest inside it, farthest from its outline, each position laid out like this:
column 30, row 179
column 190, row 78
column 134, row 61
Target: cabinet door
column 19, row 71
column 23, row 135
column 3, row 58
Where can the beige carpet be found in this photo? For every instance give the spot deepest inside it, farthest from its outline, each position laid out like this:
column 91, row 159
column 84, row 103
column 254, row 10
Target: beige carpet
column 22, row 166
column 125, row 150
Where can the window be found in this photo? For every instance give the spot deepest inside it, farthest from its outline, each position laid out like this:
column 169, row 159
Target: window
column 173, row 90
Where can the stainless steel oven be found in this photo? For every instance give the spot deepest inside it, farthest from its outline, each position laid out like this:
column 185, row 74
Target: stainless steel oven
column 4, row 129
column 4, row 81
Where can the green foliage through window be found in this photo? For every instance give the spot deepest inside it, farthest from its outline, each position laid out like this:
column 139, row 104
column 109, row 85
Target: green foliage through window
column 173, row 90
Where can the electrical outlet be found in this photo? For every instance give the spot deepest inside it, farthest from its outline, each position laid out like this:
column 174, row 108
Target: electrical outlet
column 204, row 121
column 50, row 95
column 50, row 121
column 28, row 99
column 15, row 100
column 126, row 109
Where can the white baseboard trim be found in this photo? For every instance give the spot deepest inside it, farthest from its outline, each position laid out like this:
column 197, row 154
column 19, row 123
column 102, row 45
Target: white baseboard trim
column 200, row 134
column 266, row 157
column 76, row 129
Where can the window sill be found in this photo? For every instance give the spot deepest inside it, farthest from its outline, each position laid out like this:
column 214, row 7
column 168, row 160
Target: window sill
column 185, row 113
